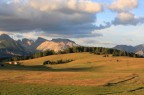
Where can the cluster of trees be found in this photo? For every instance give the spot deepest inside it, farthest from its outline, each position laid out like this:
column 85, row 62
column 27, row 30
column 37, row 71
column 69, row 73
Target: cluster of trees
column 94, row 50
column 101, row 51
column 44, row 53
column 56, row 62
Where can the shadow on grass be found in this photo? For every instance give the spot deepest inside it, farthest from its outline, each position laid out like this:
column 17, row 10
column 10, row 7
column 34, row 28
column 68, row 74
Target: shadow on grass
column 45, row 68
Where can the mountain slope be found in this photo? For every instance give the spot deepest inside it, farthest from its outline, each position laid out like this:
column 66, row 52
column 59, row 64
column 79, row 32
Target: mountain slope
column 49, row 45
column 26, row 43
column 38, row 42
column 9, row 47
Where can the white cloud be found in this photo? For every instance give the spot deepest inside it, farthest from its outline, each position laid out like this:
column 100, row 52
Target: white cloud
column 127, row 18
column 74, row 5
column 124, row 18
column 123, row 8
column 123, row 5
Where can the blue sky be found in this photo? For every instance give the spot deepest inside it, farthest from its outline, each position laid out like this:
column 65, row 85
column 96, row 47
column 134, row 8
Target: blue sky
column 119, row 34
column 88, row 22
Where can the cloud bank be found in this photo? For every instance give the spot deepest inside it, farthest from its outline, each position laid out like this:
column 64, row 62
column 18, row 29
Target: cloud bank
column 54, row 17
column 64, row 18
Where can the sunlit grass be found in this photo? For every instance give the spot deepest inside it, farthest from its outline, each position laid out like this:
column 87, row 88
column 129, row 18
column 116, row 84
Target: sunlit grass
column 87, row 74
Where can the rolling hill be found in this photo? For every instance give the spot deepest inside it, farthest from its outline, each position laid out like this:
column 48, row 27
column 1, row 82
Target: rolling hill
column 87, row 74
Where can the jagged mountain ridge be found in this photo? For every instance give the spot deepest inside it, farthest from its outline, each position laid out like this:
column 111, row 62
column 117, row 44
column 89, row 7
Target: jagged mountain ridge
column 31, row 45
column 10, row 47
column 42, row 44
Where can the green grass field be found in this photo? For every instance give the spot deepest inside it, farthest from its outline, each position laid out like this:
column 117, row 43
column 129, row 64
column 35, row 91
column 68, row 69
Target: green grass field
column 87, row 74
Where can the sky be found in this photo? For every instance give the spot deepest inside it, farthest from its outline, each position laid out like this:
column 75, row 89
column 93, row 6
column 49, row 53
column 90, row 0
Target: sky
column 103, row 23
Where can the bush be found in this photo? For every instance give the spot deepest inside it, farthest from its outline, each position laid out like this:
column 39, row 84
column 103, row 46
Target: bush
column 56, row 62
column 46, row 62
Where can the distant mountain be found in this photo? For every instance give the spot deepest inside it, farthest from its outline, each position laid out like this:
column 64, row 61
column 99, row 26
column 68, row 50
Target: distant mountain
column 5, row 37
column 125, row 48
column 56, row 45
column 139, row 49
column 9, row 47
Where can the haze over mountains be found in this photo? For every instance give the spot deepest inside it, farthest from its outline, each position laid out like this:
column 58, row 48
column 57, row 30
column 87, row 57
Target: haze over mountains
column 10, row 47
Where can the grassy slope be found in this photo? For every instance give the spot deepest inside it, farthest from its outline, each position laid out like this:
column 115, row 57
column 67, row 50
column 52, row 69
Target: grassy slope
column 86, row 75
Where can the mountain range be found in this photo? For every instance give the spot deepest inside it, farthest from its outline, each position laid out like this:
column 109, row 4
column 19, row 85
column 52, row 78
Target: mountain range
column 10, row 47
column 139, row 49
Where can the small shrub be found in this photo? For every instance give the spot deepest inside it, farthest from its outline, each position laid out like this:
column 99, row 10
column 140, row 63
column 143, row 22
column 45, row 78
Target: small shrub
column 2, row 65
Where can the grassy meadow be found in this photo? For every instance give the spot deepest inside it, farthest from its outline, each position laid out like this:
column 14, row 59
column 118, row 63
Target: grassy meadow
column 87, row 74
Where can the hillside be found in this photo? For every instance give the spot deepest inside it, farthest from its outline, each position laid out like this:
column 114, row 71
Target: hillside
column 56, row 45
column 90, row 61
column 87, row 74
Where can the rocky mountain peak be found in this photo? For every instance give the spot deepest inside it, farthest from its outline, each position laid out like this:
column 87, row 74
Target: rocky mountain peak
column 27, row 46
column 40, row 39
column 27, row 42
